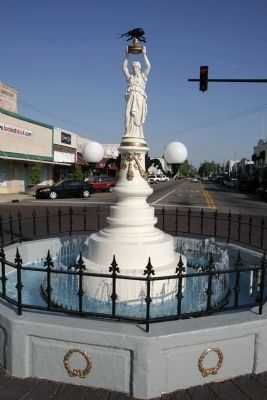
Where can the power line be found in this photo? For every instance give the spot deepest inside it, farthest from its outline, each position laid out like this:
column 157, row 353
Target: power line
column 216, row 121
column 186, row 130
column 42, row 111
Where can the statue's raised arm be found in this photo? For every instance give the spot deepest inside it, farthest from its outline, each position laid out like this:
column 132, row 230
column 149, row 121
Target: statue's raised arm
column 125, row 65
column 147, row 63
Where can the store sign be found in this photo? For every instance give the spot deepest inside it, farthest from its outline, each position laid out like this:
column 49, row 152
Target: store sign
column 65, row 138
column 15, row 130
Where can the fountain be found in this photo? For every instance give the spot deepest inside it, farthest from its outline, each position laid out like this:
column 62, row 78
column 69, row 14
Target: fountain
column 122, row 356
column 131, row 229
column 66, row 286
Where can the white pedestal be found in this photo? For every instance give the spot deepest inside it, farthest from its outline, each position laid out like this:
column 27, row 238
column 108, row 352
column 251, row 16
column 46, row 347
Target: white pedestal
column 131, row 236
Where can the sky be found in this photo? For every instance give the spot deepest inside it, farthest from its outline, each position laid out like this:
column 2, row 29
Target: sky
column 64, row 57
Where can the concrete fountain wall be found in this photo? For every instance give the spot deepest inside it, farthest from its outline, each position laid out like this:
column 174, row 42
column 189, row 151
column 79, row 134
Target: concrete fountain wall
column 122, row 356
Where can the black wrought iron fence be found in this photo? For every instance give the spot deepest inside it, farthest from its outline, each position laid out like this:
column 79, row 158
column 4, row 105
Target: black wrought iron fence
column 16, row 228
column 232, row 228
column 235, row 228
column 234, row 297
column 249, row 231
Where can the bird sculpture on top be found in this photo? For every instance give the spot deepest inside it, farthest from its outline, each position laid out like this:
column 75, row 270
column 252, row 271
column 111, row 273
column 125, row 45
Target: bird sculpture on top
column 136, row 33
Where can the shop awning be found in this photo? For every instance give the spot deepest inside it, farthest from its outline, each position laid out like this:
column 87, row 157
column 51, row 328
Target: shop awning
column 101, row 164
column 28, row 158
column 81, row 160
column 108, row 163
column 64, row 149
column 33, row 161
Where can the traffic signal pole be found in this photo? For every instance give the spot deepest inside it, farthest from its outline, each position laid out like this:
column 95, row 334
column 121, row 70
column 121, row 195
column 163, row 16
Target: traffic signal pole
column 231, row 80
column 203, row 79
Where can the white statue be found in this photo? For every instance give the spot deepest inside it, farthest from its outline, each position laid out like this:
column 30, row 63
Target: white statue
column 136, row 98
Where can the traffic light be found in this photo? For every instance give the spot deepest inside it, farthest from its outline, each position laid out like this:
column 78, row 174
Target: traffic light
column 203, row 78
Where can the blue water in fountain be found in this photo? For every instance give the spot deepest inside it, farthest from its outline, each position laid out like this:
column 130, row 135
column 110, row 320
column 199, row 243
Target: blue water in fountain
column 65, row 287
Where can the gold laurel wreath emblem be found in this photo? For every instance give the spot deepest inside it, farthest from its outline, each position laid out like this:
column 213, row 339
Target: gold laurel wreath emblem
column 73, row 372
column 210, row 371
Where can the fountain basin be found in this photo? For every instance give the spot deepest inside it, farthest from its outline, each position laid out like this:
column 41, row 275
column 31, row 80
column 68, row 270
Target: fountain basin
column 123, row 356
column 131, row 293
column 126, row 359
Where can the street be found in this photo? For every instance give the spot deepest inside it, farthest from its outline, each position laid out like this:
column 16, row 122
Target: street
column 172, row 194
column 209, row 196
column 180, row 207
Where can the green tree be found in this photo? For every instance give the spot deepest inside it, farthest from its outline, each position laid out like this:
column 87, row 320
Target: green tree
column 77, row 173
column 207, row 168
column 186, row 169
column 35, row 174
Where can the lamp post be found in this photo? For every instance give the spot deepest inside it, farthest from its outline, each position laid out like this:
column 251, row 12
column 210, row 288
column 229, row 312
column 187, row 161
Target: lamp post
column 93, row 152
column 175, row 153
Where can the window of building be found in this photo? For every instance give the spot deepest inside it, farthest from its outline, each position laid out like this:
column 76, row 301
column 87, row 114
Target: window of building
column 65, row 138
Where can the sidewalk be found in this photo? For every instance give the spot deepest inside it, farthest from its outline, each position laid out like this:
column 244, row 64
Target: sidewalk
column 14, row 197
column 249, row 387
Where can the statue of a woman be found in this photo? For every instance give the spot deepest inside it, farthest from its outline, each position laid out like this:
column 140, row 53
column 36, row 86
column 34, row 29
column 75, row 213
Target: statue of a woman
column 136, row 98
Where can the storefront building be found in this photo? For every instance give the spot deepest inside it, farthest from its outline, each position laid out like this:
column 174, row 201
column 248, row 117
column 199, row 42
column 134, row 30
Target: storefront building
column 23, row 143
column 65, row 154
column 27, row 145
column 260, row 162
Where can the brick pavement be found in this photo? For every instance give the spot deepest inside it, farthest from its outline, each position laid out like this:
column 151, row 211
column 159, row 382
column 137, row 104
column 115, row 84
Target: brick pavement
column 249, row 387
column 14, row 198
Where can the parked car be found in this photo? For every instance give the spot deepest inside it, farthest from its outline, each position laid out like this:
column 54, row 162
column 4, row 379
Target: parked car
column 262, row 192
column 102, row 183
column 65, row 188
column 247, row 186
column 153, row 179
column 162, row 178
column 231, row 183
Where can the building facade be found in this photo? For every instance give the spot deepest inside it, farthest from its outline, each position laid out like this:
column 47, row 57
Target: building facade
column 65, row 153
column 26, row 144
column 23, row 143
column 260, row 162
column 8, row 98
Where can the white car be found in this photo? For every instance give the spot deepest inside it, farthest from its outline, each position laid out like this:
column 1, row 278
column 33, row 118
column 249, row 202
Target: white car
column 153, row 179
column 162, row 178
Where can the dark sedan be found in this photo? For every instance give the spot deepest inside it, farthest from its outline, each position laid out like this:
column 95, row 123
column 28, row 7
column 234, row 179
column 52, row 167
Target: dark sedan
column 262, row 192
column 66, row 188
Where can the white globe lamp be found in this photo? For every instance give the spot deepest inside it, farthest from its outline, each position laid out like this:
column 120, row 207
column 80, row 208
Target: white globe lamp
column 93, row 152
column 175, row 153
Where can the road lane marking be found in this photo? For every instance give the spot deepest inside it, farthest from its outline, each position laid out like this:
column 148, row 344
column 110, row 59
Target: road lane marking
column 212, row 204
column 188, row 190
column 158, row 206
column 208, row 198
column 163, row 197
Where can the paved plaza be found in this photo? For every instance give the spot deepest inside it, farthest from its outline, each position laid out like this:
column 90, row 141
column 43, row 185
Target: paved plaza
column 250, row 387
